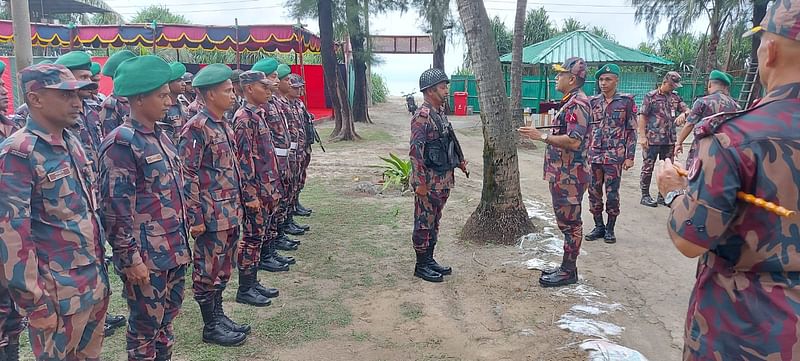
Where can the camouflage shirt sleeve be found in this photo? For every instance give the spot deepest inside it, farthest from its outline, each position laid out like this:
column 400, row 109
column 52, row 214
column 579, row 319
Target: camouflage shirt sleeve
column 630, row 131
column 118, row 176
column 646, row 104
column 20, row 261
column 707, row 211
column 577, row 117
column 191, row 148
column 419, row 135
column 244, row 135
column 698, row 109
column 682, row 107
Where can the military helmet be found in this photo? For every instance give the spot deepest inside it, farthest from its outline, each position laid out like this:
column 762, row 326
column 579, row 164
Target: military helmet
column 431, row 77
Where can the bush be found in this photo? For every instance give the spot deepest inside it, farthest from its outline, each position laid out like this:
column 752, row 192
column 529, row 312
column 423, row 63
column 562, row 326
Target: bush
column 379, row 89
column 396, row 172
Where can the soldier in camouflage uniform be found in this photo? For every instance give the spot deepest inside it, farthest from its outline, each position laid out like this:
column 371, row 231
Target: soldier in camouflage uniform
column 114, row 108
column 176, row 114
column 566, row 167
column 660, row 109
column 281, row 140
column 261, row 188
column 431, row 182
column 187, row 83
column 10, row 319
column 143, row 209
column 97, row 97
column 744, row 302
column 718, row 101
column 237, row 90
column 309, row 139
column 214, row 204
column 286, row 100
column 52, row 238
column 612, row 148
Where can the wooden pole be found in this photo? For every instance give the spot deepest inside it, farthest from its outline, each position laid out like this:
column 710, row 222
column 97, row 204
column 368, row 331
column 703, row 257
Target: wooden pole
column 23, row 48
column 155, row 36
column 238, row 51
column 301, row 47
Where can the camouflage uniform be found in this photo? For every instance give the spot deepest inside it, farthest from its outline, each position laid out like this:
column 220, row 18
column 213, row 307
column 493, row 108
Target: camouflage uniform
column 707, row 106
column 660, row 111
column 567, row 172
column 193, row 108
column 281, row 140
column 743, row 303
column 113, row 112
column 612, row 142
column 306, row 160
column 212, row 188
column 261, row 180
column 88, row 130
column 53, row 241
column 174, row 120
column 10, row 319
column 426, row 125
column 142, row 191
column 293, row 121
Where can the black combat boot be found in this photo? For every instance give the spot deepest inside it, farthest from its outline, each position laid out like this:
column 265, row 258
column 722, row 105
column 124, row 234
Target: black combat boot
column 423, row 268
column 282, row 236
column 264, row 291
column 290, row 228
column 268, row 262
column 647, row 200
column 214, row 332
column 268, row 248
column 284, row 244
column 660, row 200
column 599, row 230
column 247, row 294
column 567, row 274
column 301, row 211
column 610, row 237
column 444, row 270
column 12, row 349
column 225, row 320
column 162, row 355
column 304, row 227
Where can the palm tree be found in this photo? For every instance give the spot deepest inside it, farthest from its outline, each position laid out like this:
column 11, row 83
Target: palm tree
column 437, row 17
column 683, row 13
column 538, row 26
column 572, row 24
column 500, row 216
column 516, row 63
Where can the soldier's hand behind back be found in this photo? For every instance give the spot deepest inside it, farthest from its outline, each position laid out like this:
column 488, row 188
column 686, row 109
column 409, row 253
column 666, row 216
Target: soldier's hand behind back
column 197, row 230
column 628, row 164
column 138, row 274
column 644, row 144
column 253, row 205
column 421, row 190
column 44, row 323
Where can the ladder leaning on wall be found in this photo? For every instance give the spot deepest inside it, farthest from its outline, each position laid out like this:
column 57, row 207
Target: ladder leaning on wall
column 746, row 96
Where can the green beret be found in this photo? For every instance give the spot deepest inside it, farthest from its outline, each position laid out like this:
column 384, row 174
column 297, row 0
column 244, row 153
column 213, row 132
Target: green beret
column 721, row 76
column 212, row 75
column 141, row 74
column 178, row 69
column 266, row 65
column 283, row 71
column 607, row 69
column 95, row 68
column 2, row 67
column 115, row 60
column 75, row 60
column 45, row 61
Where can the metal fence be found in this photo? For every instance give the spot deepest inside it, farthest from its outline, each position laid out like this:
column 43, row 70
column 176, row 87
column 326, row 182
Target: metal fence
column 537, row 89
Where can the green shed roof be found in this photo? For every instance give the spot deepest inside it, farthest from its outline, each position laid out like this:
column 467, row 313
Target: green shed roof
column 590, row 47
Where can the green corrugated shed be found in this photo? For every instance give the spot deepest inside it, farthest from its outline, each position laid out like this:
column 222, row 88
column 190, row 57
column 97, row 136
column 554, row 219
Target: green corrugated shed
column 590, row 47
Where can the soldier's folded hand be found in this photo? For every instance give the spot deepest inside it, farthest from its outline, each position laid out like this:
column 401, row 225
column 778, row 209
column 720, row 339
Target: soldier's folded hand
column 681, row 119
column 463, row 166
column 138, row 274
column 628, row 164
column 197, row 230
column 678, row 149
column 421, row 190
column 253, row 205
column 44, row 323
column 644, row 144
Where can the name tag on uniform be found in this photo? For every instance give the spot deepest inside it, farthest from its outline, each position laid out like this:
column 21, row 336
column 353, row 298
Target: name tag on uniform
column 61, row 173
column 153, row 158
column 263, row 131
column 219, row 140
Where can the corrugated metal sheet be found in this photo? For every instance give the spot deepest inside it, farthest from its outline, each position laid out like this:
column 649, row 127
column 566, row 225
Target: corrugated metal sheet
column 586, row 45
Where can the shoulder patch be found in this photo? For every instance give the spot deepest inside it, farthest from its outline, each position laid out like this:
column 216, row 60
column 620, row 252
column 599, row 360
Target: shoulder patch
column 21, row 144
column 424, row 112
column 123, row 135
column 709, row 124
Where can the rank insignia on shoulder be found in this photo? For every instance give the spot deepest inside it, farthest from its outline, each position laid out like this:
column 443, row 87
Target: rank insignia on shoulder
column 694, row 170
column 424, row 112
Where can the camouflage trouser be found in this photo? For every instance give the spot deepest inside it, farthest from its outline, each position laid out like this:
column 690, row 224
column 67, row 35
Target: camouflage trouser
column 78, row 336
column 567, row 199
column 304, row 170
column 608, row 175
column 10, row 319
column 653, row 153
column 257, row 230
column 427, row 214
column 294, row 166
column 152, row 308
column 285, row 169
column 214, row 253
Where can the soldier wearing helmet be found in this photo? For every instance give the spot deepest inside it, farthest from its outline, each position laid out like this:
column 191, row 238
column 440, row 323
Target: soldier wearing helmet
column 433, row 161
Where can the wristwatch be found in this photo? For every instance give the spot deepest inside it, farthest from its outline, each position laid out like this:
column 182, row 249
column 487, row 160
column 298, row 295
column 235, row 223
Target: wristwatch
column 671, row 195
column 543, row 137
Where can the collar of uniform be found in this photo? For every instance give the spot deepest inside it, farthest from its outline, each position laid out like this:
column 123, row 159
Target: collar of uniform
column 787, row 91
column 210, row 116
column 433, row 108
column 139, row 127
column 252, row 107
column 34, row 127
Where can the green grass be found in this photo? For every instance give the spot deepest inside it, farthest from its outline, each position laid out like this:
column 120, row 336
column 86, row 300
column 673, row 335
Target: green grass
column 369, row 134
column 343, row 257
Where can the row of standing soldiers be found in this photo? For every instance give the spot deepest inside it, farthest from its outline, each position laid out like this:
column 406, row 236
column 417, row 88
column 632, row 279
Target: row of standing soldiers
column 145, row 169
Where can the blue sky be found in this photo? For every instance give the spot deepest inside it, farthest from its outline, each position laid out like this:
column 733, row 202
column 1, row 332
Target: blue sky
column 402, row 71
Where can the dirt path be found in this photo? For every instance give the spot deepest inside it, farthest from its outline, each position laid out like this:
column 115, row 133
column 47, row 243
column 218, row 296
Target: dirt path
column 492, row 308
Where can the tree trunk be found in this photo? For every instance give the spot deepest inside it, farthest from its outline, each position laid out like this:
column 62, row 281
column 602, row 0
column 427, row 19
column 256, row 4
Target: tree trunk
column 344, row 129
column 516, row 64
column 500, row 216
column 713, row 44
column 370, row 101
column 438, row 54
column 357, row 38
column 759, row 11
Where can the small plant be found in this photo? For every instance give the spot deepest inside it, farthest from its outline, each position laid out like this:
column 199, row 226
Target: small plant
column 379, row 89
column 396, row 172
